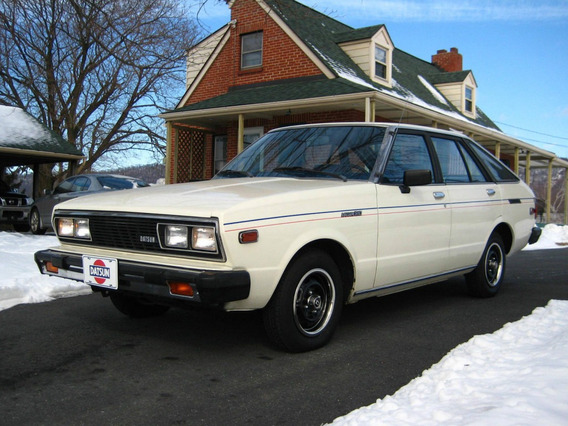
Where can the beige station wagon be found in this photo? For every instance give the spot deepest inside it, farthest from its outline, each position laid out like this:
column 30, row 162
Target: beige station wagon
column 306, row 219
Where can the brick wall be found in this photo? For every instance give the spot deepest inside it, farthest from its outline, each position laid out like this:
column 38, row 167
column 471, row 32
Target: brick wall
column 282, row 58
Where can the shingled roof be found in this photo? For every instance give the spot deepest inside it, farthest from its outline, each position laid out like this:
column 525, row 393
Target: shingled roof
column 24, row 140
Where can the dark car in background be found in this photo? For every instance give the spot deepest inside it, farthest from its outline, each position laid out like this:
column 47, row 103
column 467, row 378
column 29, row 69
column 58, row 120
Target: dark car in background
column 76, row 186
column 14, row 208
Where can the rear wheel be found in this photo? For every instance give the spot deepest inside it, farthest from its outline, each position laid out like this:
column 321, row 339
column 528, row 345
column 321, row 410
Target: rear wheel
column 35, row 223
column 136, row 308
column 486, row 279
column 305, row 308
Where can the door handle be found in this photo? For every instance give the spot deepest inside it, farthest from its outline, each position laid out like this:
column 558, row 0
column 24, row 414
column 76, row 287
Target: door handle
column 439, row 195
column 490, row 192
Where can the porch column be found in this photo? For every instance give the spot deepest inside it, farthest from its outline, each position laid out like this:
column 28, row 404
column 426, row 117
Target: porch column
column 241, row 134
column 498, row 150
column 528, row 168
column 368, row 110
column 169, row 153
column 516, row 165
column 549, row 192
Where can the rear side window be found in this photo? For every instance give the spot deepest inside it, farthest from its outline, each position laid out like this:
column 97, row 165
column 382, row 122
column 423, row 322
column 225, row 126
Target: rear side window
column 499, row 171
column 457, row 165
column 409, row 152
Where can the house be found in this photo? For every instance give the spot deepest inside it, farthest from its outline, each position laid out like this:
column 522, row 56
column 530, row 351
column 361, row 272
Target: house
column 278, row 63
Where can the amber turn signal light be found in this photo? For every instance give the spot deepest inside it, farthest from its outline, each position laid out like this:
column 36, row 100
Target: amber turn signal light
column 181, row 288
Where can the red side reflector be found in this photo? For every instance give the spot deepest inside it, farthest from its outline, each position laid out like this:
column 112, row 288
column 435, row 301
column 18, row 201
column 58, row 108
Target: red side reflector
column 50, row 268
column 246, row 237
column 181, row 288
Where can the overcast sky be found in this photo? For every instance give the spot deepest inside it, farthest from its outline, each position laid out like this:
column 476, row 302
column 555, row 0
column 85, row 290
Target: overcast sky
column 517, row 50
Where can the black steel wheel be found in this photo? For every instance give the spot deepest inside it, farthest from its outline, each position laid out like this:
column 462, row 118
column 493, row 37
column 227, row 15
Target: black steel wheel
column 486, row 279
column 305, row 308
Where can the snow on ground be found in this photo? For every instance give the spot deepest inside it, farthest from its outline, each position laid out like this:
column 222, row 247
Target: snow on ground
column 21, row 281
column 515, row 376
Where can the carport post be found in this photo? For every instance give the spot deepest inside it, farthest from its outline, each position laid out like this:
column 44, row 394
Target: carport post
column 549, row 191
column 566, row 196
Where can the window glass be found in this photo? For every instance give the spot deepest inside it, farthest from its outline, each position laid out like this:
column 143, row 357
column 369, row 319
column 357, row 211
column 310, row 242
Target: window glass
column 468, row 99
column 65, row 186
column 112, row 182
column 409, row 152
column 220, row 153
column 499, row 171
column 380, row 62
column 451, row 161
column 475, row 173
column 82, row 183
column 346, row 152
column 251, row 50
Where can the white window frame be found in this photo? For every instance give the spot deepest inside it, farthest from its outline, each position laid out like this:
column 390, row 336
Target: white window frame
column 470, row 100
column 384, row 65
column 249, row 52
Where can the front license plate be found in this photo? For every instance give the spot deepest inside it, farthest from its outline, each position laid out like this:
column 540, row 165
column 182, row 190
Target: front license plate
column 101, row 272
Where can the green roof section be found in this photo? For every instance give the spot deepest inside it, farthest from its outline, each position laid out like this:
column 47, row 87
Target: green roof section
column 449, row 77
column 279, row 91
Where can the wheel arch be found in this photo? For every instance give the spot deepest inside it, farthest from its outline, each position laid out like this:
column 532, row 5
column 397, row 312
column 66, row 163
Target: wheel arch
column 340, row 256
column 504, row 230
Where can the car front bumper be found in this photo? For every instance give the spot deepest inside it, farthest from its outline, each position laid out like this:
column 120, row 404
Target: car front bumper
column 152, row 281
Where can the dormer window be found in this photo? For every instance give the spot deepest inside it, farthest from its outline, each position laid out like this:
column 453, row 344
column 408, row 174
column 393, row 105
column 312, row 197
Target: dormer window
column 469, row 99
column 380, row 62
column 251, row 50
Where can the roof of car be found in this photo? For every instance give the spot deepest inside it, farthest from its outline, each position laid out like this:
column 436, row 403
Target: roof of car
column 375, row 124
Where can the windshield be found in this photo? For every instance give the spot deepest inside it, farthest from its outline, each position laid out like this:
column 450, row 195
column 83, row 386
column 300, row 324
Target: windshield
column 342, row 152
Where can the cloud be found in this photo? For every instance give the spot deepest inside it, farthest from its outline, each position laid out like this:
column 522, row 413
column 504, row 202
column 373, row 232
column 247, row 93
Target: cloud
column 447, row 10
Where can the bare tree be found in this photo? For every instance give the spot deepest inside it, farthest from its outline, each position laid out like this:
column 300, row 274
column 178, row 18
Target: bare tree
column 96, row 72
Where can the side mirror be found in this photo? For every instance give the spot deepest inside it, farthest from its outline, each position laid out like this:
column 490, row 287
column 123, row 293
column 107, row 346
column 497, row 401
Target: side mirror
column 415, row 178
column 47, row 192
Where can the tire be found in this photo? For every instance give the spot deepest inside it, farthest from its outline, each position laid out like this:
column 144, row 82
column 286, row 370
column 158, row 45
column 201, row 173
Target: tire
column 305, row 308
column 486, row 279
column 134, row 307
column 35, row 223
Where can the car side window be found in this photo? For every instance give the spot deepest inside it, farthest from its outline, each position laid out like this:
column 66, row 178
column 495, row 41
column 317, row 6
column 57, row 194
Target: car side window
column 81, row 184
column 500, row 172
column 457, row 165
column 65, row 186
column 409, row 152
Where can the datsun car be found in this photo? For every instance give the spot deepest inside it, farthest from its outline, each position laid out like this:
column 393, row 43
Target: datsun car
column 306, row 219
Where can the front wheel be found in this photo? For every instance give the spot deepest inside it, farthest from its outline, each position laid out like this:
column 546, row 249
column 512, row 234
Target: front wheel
column 305, row 308
column 486, row 279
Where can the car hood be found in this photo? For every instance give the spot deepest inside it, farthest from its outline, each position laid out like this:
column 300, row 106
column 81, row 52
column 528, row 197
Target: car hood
column 220, row 198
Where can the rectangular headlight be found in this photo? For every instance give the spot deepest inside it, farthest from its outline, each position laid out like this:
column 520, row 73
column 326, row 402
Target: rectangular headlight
column 82, row 229
column 68, row 227
column 65, row 227
column 203, row 238
column 177, row 236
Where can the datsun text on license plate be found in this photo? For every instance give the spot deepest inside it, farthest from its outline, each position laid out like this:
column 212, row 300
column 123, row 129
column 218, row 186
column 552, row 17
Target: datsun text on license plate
column 101, row 272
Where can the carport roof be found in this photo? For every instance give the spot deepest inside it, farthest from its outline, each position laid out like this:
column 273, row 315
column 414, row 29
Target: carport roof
column 25, row 141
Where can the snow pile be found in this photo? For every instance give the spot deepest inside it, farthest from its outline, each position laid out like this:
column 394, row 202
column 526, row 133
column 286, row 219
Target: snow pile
column 553, row 236
column 515, row 376
column 21, row 281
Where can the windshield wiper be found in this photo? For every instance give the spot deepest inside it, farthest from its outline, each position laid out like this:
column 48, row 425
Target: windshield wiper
column 306, row 170
column 234, row 173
